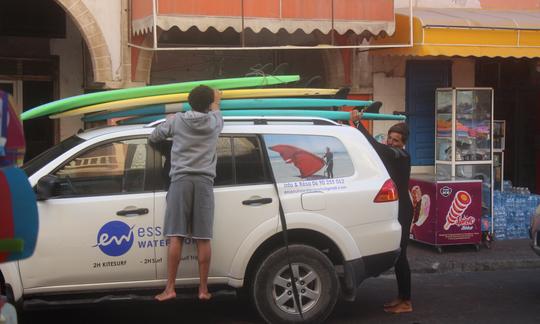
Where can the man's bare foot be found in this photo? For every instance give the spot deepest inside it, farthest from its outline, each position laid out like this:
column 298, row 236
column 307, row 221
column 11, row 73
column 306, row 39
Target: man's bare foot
column 393, row 303
column 166, row 295
column 204, row 295
column 403, row 307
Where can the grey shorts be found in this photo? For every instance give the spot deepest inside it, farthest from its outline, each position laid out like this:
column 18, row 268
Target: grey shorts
column 190, row 208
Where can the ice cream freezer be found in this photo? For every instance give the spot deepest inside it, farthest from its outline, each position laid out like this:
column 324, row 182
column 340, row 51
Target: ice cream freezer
column 446, row 211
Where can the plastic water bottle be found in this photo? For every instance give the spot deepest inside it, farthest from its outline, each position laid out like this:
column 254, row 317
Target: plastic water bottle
column 507, row 185
column 500, row 222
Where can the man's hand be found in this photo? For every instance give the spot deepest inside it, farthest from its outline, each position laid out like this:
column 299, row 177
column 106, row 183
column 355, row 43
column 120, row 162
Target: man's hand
column 356, row 115
column 217, row 100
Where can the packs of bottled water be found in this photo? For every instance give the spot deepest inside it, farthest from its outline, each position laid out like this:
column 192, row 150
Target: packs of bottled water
column 507, row 185
column 512, row 211
column 499, row 221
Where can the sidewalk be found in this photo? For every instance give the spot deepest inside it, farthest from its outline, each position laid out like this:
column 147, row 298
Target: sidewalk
column 503, row 255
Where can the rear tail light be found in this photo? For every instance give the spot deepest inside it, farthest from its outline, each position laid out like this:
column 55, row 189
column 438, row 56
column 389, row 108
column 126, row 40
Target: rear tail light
column 387, row 193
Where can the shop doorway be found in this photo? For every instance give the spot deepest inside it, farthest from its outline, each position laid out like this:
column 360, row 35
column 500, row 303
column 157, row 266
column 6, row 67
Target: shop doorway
column 38, row 132
column 28, row 68
column 517, row 91
column 33, row 83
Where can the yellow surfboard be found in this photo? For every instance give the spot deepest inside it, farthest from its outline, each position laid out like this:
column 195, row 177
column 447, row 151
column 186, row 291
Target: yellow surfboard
column 182, row 97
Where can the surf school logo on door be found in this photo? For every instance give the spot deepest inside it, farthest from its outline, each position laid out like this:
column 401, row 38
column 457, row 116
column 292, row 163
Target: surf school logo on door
column 115, row 238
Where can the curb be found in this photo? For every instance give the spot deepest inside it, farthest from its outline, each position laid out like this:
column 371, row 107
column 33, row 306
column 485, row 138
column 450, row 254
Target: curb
column 475, row 266
column 503, row 255
column 458, row 267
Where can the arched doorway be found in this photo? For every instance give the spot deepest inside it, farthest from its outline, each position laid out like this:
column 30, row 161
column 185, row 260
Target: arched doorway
column 93, row 36
column 42, row 59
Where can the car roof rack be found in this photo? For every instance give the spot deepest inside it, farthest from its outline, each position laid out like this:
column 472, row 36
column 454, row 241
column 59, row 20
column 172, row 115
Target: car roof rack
column 268, row 121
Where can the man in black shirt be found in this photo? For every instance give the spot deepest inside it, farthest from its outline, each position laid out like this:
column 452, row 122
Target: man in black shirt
column 398, row 164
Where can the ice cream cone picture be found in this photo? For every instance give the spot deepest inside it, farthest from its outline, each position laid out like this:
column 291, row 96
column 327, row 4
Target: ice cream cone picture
column 421, row 203
column 461, row 201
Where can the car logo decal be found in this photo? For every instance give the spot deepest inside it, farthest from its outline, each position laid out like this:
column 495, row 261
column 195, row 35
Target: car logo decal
column 115, row 238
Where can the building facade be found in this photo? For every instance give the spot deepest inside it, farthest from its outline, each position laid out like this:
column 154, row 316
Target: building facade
column 464, row 43
column 60, row 48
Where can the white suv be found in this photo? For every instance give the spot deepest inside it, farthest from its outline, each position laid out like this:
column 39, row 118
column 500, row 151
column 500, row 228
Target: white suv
column 101, row 199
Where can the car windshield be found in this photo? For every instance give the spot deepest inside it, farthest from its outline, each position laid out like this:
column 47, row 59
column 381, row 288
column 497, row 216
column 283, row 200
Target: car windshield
column 39, row 161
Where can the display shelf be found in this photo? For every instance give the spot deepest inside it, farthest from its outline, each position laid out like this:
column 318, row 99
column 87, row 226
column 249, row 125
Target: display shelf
column 499, row 139
column 464, row 137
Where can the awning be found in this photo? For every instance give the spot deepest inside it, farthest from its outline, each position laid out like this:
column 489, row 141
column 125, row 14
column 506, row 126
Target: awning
column 358, row 16
column 466, row 32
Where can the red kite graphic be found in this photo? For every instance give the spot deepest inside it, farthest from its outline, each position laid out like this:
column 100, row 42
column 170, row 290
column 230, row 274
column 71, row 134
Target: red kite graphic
column 307, row 162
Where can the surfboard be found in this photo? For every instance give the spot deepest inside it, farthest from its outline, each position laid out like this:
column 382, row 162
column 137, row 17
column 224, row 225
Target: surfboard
column 156, row 90
column 329, row 114
column 182, row 97
column 233, row 104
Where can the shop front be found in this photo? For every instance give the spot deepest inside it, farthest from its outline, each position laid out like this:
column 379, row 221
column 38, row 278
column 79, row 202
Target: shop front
column 471, row 93
column 178, row 41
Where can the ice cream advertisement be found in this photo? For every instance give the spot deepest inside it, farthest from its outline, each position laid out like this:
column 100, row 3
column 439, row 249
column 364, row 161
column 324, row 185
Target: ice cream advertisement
column 460, row 212
column 455, row 215
column 446, row 212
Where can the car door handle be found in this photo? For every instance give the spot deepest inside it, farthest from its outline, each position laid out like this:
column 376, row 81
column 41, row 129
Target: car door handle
column 260, row 201
column 132, row 212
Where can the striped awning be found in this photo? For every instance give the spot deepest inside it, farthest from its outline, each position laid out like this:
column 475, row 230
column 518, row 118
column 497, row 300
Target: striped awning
column 466, row 32
column 342, row 16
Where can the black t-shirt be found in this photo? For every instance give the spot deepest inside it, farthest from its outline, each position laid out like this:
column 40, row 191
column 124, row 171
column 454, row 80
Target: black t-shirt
column 398, row 164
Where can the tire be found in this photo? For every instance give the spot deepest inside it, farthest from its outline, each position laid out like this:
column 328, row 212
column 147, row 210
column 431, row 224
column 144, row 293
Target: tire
column 318, row 294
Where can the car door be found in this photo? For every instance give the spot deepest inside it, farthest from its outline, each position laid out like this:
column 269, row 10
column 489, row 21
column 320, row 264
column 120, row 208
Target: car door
column 98, row 226
column 241, row 177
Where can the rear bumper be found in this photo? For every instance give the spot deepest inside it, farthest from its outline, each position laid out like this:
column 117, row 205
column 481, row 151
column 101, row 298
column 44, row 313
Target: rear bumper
column 356, row 271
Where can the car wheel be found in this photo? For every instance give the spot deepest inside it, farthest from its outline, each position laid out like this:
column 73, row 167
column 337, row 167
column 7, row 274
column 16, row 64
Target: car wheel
column 317, row 284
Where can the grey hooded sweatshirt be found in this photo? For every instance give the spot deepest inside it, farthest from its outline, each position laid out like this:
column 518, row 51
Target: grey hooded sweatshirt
column 194, row 141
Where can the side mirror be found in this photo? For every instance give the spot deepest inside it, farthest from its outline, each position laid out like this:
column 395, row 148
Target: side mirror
column 45, row 187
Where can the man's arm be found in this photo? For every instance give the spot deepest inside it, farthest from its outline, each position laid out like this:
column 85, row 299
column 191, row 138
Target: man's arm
column 383, row 150
column 215, row 110
column 162, row 131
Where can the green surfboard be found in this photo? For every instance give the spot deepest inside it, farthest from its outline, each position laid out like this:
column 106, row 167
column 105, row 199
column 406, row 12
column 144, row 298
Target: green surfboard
column 156, row 90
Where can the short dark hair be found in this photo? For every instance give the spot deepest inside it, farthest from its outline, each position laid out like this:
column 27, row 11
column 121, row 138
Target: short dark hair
column 402, row 129
column 200, row 98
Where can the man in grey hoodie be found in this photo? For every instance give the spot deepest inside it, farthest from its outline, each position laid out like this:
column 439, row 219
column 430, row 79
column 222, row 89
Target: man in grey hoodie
column 190, row 199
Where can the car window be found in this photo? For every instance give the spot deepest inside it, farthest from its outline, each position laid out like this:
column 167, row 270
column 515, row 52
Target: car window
column 308, row 157
column 239, row 162
column 249, row 166
column 52, row 153
column 224, row 165
column 111, row 168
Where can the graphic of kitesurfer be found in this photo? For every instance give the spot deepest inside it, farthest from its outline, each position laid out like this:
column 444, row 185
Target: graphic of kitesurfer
column 329, row 158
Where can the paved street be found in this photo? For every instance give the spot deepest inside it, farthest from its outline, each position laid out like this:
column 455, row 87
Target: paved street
column 465, row 297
